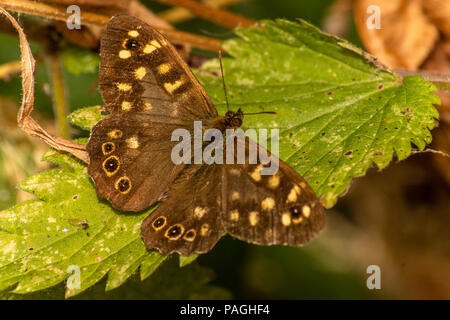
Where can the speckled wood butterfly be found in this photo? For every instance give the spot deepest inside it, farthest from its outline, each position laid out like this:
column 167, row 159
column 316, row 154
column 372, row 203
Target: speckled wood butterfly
column 149, row 91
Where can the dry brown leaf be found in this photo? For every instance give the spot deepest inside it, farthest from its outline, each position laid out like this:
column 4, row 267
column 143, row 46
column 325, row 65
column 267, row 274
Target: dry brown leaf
column 406, row 37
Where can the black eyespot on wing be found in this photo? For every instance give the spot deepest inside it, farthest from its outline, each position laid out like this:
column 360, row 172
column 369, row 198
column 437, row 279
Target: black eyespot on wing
column 295, row 212
column 131, row 44
column 174, row 231
column 111, row 164
column 124, row 185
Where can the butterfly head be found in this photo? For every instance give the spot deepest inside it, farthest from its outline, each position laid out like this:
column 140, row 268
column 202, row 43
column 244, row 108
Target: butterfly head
column 233, row 119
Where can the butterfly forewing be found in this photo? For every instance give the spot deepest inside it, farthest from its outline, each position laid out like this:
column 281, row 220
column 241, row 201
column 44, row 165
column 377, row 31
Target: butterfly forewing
column 141, row 71
column 269, row 209
column 131, row 164
column 188, row 221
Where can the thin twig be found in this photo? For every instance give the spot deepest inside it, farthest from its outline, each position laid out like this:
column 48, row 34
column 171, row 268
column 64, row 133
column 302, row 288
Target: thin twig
column 442, row 153
column 177, row 14
column 58, row 93
column 218, row 16
column 9, row 69
column 24, row 119
column 442, row 81
column 57, row 12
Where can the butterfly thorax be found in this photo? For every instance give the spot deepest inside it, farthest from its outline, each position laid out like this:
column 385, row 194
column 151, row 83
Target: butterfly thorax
column 231, row 120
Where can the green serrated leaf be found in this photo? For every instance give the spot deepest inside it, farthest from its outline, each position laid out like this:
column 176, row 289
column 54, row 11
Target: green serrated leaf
column 86, row 118
column 184, row 261
column 39, row 240
column 337, row 111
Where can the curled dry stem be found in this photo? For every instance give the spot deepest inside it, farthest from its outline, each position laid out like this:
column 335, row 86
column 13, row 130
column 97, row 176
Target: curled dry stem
column 24, row 119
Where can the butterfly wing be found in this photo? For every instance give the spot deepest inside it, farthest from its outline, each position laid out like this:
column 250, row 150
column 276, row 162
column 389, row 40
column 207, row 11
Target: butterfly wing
column 149, row 91
column 269, row 209
column 188, row 221
column 141, row 71
column 131, row 164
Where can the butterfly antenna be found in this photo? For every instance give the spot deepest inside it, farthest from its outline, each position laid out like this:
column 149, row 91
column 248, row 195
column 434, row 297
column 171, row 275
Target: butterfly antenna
column 261, row 112
column 223, row 80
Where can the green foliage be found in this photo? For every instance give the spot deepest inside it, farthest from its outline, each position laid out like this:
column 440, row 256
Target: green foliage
column 78, row 61
column 191, row 282
column 337, row 113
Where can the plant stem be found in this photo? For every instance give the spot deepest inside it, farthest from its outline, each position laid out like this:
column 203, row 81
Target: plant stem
column 59, row 94
column 441, row 81
column 218, row 16
column 57, row 12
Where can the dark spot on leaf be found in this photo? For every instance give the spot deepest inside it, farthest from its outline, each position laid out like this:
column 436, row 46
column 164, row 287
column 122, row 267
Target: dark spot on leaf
column 30, row 248
column 322, row 134
column 75, row 197
column 330, row 93
column 348, row 153
column 378, row 153
column 380, row 86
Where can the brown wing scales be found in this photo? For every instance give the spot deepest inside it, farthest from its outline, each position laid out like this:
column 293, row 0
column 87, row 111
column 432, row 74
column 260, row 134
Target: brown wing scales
column 269, row 209
column 188, row 221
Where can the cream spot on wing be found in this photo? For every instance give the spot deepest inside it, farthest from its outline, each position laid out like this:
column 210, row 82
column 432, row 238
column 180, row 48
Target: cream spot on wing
column 293, row 194
column 234, row 171
column 155, row 44
column 256, row 174
column 140, row 73
column 149, row 49
column 235, row 196
column 306, row 210
column 274, row 181
column 133, row 33
column 171, row 87
column 253, row 218
column 148, row 106
column 199, row 212
column 297, row 220
column 123, row 86
column 133, row 142
column 286, row 219
column 204, row 229
column 164, row 68
column 115, row 134
column 234, row 215
column 126, row 105
column 124, row 54
column 268, row 203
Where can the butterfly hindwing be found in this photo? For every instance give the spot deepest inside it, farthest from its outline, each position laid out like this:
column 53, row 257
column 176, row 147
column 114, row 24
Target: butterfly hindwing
column 269, row 209
column 188, row 221
column 141, row 71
